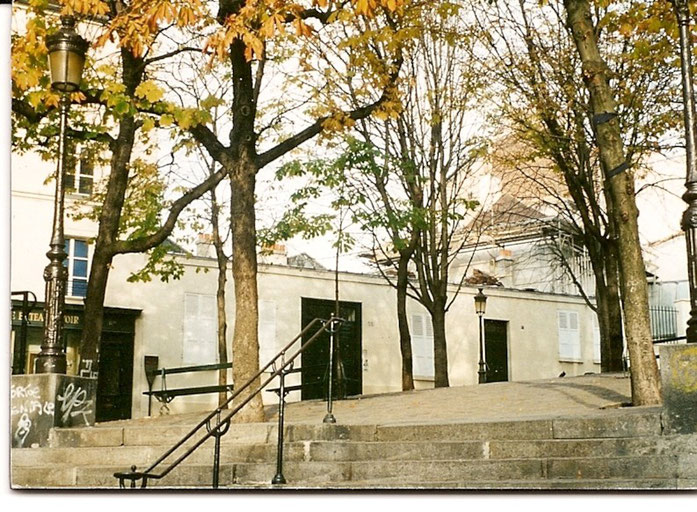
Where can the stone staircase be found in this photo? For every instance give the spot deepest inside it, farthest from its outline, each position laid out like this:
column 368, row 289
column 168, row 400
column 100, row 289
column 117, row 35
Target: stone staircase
column 610, row 449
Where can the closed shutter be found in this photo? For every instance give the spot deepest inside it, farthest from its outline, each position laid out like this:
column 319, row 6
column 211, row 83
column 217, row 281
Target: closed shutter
column 569, row 336
column 268, row 347
column 596, row 340
column 200, row 329
column 422, row 346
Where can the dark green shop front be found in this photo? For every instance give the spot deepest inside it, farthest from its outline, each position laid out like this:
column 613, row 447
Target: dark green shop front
column 115, row 382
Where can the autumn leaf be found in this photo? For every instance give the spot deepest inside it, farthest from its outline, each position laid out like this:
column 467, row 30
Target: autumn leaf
column 150, row 91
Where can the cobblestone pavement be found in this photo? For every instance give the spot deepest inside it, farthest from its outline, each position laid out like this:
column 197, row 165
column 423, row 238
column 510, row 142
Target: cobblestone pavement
column 568, row 396
column 560, row 397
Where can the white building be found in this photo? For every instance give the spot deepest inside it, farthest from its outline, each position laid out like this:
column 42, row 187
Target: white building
column 529, row 335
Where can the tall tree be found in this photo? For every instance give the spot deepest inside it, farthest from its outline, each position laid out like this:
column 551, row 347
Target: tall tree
column 115, row 92
column 362, row 180
column 624, row 213
column 547, row 128
column 255, row 40
column 407, row 175
column 434, row 134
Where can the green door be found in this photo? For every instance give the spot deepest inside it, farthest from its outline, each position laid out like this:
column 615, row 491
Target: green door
column 115, row 381
column 348, row 374
column 496, row 350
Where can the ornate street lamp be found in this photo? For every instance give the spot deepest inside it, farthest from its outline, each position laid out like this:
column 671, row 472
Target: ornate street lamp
column 689, row 218
column 66, row 57
column 480, row 308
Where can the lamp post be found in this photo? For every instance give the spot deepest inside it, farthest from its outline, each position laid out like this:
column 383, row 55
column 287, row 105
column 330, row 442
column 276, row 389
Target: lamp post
column 689, row 218
column 480, row 308
column 66, row 57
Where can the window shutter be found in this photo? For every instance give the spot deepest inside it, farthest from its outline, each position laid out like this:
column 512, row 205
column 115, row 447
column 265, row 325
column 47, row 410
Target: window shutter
column 200, row 329
column 596, row 339
column 268, row 346
column 422, row 346
column 569, row 336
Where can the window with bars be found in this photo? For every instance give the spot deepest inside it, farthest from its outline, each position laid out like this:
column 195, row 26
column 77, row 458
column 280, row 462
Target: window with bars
column 569, row 336
column 77, row 263
column 79, row 180
column 422, row 346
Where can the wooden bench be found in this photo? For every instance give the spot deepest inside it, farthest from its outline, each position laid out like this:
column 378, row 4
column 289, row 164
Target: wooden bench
column 165, row 395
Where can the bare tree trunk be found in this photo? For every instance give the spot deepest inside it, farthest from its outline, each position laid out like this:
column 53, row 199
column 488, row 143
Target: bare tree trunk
column 221, row 260
column 645, row 377
column 402, row 320
column 614, row 311
column 245, row 345
column 440, row 349
column 109, row 221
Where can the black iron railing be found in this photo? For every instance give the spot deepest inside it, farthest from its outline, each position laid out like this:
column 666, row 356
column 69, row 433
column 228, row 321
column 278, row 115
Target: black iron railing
column 217, row 423
column 664, row 323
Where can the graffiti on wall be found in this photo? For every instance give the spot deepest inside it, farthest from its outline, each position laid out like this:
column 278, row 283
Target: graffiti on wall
column 74, row 404
column 27, row 408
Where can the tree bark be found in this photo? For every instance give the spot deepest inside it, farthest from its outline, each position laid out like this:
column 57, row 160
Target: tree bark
column 440, row 348
column 403, row 322
column 245, row 344
column 109, row 221
column 221, row 260
column 614, row 312
column 644, row 371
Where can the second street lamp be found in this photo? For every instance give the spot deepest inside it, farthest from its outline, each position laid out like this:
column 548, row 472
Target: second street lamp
column 66, row 51
column 480, row 308
column 689, row 219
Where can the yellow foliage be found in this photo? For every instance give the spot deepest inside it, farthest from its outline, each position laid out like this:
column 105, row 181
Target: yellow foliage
column 149, row 91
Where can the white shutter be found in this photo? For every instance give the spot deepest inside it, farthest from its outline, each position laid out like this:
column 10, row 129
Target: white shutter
column 569, row 336
column 596, row 339
column 268, row 346
column 422, row 346
column 200, row 329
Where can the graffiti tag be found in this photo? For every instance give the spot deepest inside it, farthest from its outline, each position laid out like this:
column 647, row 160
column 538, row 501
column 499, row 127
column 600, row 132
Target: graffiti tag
column 23, row 429
column 86, row 369
column 74, row 403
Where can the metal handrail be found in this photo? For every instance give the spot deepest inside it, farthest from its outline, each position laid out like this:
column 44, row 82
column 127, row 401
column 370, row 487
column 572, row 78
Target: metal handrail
column 223, row 424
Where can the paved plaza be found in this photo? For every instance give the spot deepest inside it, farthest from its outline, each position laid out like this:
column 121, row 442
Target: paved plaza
column 500, row 401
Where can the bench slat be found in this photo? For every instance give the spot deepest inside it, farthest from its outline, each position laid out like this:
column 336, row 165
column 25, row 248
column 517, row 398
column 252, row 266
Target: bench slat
column 189, row 391
column 186, row 369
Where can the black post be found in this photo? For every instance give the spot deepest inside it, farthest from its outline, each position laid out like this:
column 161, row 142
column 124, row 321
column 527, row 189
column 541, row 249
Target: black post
column 51, row 359
column 216, row 455
column 329, row 417
column 689, row 218
column 482, row 364
column 217, row 432
column 278, row 477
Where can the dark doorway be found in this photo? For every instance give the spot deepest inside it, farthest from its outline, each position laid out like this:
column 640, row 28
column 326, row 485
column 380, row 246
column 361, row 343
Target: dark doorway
column 496, row 350
column 348, row 354
column 115, row 383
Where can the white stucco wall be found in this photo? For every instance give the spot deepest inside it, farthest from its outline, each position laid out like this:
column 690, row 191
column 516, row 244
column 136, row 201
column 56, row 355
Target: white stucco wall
column 531, row 317
column 31, row 213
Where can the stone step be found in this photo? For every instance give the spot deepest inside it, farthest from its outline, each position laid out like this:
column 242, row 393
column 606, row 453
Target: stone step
column 557, row 484
column 412, row 473
column 169, row 435
column 237, row 451
column 639, row 422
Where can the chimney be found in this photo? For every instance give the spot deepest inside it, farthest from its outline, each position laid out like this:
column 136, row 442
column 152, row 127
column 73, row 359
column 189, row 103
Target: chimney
column 273, row 255
column 204, row 246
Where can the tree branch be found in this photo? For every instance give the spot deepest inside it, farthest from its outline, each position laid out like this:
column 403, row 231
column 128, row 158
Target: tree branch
column 142, row 244
column 292, row 142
